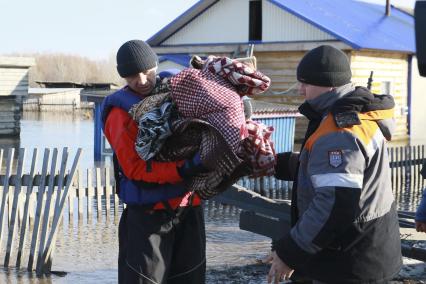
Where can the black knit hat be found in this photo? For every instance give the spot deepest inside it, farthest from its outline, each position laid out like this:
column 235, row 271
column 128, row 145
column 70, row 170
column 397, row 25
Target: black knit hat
column 324, row 66
column 135, row 56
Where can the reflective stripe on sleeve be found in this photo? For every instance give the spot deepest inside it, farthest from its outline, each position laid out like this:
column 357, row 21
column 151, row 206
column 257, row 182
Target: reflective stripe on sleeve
column 337, row 179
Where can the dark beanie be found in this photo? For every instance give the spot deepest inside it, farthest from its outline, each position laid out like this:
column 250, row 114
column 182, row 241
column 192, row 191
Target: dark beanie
column 135, row 56
column 324, row 66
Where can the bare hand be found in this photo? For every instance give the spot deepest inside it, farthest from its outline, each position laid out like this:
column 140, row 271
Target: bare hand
column 420, row 226
column 279, row 270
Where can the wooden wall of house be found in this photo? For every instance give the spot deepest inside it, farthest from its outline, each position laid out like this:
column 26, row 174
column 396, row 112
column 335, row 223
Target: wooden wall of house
column 10, row 115
column 417, row 107
column 281, row 68
column 387, row 66
column 390, row 76
column 14, row 75
column 13, row 86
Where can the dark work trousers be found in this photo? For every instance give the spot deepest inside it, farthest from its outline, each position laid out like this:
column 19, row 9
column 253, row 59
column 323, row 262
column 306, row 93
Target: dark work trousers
column 155, row 246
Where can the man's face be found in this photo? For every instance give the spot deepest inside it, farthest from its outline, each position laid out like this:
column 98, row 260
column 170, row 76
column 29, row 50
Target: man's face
column 143, row 82
column 311, row 92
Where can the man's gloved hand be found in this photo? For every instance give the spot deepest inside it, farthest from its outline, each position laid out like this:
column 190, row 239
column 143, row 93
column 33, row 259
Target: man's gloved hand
column 192, row 167
column 286, row 165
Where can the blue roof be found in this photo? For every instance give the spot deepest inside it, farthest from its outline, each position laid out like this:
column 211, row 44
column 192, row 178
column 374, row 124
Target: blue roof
column 360, row 25
column 181, row 59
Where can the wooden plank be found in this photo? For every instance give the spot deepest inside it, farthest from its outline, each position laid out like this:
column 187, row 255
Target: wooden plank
column 401, row 168
column 115, row 196
column 409, row 168
column 265, row 226
column 39, row 207
column 21, row 158
column 80, row 194
column 50, row 244
column 9, row 166
column 89, row 193
column 419, row 167
column 391, row 150
column 107, row 191
column 61, row 177
column 423, row 157
column 46, row 215
column 26, row 209
column 70, row 199
column 19, row 62
column 414, row 169
column 99, row 190
column 26, row 180
column 406, row 169
column 251, row 201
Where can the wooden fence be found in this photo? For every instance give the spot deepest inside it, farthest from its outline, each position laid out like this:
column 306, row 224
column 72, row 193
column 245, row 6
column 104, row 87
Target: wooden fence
column 406, row 163
column 34, row 215
column 93, row 191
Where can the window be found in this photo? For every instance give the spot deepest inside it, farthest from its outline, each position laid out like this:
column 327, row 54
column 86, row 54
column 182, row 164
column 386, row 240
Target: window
column 255, row 20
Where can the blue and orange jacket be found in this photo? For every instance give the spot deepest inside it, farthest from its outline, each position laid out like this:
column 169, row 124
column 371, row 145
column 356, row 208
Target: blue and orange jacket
column 140, row 182
column 347, row 227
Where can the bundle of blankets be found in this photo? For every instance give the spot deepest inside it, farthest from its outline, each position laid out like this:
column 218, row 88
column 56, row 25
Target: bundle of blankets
column 200, row 110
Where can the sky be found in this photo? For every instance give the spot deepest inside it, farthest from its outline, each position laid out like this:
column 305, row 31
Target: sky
column 90, row 28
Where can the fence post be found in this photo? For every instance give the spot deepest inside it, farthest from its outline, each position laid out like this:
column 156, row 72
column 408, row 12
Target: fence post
column 107, row 191
column 46, row 214
column 50, row 244
column 39, row 207
column 89, row 194
column 61, row 177
column 25, row 218
column 9, row 165
column 80, row 193
column 17, row 191
column 99, row 190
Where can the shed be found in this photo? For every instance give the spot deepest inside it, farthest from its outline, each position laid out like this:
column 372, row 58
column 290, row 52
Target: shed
column 52, row 99
column 282, row 118
column 13, row 86
column 284, row 30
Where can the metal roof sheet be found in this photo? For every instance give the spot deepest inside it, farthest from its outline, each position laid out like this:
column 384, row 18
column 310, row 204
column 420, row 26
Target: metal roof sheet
column 268, row 109
column 181, row 59
column 361, row 25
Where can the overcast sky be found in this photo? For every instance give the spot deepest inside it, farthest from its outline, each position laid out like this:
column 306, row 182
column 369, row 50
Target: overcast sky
column 92, row 28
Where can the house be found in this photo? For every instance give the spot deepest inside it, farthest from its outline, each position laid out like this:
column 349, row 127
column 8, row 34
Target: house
column 282, row 31
column 13, row 86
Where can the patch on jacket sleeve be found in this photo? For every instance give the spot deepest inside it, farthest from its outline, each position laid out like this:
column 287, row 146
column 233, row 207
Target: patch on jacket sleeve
column 335, row 158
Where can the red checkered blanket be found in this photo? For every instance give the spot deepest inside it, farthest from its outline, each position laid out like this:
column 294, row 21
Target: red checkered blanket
column 203, row 95
column 246, row 79
column 258, row 149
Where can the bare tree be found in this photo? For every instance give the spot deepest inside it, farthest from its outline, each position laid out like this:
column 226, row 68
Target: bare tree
column 73, row 68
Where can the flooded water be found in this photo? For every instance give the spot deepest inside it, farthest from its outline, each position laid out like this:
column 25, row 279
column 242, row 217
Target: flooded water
column 87, row 249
